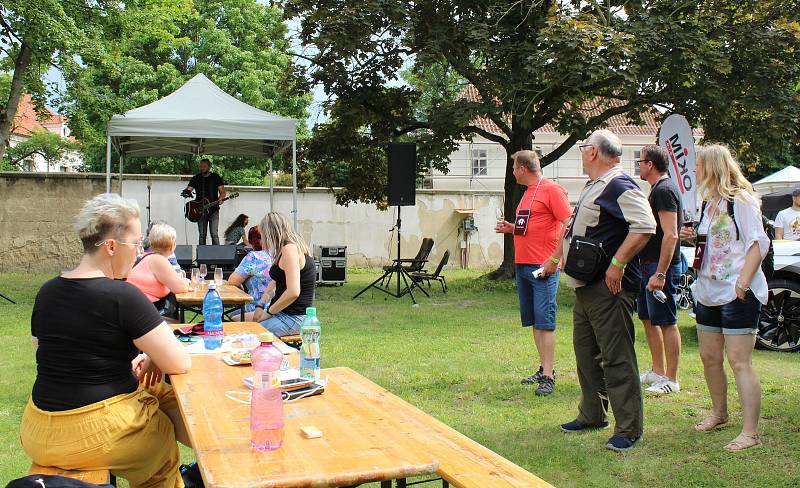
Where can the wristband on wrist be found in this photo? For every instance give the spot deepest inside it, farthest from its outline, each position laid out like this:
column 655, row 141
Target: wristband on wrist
column 742, row 287
column 554, row 260
column 260, row 305
column 618, row 264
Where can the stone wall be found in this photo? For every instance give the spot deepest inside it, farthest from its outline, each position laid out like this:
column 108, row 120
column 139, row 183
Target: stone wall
column 37, row 212
column 37, row 215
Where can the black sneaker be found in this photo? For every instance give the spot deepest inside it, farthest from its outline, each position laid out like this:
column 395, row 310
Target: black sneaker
column 191, row 476
column 578, row 426
column 534, row 378
column 620, row 443
column 546, row 386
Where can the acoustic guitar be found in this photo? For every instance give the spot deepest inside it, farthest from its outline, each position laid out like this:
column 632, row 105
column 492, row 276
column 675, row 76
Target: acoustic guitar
column 195, row 210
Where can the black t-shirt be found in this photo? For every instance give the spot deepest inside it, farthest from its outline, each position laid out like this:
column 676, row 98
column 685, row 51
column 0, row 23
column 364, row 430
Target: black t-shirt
column 308, row 280
column 86, row 329
column 207, row 187
column 663, row 196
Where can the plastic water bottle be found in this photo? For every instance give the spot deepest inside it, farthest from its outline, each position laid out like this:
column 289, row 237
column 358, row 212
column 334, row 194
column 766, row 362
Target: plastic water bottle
column 266, row 405
column 309, row 351
column 212, row 317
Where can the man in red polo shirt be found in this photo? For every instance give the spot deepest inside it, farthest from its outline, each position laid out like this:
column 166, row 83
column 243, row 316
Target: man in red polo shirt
column 541, row 215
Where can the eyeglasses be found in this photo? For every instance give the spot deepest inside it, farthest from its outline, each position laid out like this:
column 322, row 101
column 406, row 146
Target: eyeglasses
column 139, row 244
column 581, row 146
column 645, row 161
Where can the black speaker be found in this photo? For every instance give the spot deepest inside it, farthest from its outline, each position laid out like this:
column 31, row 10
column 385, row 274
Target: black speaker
column 402, row 173
column 184, row 254
column 217, row 255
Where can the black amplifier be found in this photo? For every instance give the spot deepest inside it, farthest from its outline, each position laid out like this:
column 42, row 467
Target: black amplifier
column 330, row 251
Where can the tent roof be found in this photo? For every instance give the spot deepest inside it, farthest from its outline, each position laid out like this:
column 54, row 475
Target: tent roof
column 789, row 174
column 200, row 118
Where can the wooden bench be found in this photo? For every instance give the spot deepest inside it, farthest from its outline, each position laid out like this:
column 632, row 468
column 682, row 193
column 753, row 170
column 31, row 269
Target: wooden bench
column 98, row 476
column 463, row 462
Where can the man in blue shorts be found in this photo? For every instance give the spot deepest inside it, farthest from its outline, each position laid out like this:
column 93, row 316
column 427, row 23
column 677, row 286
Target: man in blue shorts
column 661, row 272
column 540, row 217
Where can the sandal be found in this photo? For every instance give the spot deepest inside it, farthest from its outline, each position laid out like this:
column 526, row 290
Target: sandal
column 743, row 442
column 711, row 422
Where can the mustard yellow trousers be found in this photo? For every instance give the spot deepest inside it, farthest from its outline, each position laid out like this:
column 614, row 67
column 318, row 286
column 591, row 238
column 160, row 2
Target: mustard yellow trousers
column 129, row 434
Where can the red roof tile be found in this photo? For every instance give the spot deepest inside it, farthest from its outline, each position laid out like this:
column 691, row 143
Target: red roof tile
column 619, row 124
column 27, row 121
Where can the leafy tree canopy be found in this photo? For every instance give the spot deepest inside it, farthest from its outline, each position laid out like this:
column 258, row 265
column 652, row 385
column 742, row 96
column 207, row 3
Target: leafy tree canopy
column 730, row 65
column 156, row 46
column 38, row 34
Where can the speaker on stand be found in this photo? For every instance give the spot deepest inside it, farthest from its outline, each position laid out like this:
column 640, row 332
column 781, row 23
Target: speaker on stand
column 402, row 179
column 402, row 192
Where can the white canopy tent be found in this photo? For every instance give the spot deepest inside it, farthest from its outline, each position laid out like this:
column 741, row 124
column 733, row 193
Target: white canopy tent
column 200, row 118
column 779, row 180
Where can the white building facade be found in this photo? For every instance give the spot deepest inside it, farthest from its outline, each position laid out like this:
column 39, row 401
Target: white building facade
column 26, row 122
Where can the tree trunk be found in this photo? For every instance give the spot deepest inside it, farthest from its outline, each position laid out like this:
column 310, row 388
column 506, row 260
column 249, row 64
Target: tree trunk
column 513, row 193
column 15, row 93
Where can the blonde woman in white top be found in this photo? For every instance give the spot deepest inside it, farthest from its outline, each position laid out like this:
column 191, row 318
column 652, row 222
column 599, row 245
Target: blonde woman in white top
column 730, row 289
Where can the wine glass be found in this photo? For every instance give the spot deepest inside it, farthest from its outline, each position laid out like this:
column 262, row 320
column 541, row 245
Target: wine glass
column 203, row 272
column 195, row 278
column 218, row 276
column 498, row 213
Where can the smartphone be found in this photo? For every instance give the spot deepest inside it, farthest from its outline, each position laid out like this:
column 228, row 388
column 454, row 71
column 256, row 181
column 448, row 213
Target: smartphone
column 538, row 273
column 295, row 384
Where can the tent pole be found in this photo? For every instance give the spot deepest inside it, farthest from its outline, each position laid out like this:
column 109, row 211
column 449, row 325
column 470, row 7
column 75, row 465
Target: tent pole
column 294, row 183
column 271, row 188
column 108, row 164
column 120, row 174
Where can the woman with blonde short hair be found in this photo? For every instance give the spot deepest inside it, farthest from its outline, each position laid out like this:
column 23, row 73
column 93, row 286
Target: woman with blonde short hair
column 293, row 276
column 730, row 290
column 95, row 403
column 154, row 275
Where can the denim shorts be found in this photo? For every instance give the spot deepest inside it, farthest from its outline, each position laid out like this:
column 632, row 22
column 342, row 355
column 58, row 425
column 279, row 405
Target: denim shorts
column 738, row 317
column 283, row 324
column 648, row 307
column 537, row 297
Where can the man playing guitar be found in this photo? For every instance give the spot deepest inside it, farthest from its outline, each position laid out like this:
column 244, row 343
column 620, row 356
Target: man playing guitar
column 208, row 187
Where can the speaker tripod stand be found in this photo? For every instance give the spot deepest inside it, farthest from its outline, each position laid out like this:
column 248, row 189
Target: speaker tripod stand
column 397, row 272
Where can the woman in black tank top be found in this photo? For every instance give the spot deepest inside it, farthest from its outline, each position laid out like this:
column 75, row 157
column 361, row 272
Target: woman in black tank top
column 282, row 308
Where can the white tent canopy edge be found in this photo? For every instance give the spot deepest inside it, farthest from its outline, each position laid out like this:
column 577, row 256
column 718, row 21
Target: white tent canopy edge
column 200, row 118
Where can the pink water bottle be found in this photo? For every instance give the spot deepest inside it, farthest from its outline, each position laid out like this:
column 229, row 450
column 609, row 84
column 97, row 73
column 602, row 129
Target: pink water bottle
column 266, row 406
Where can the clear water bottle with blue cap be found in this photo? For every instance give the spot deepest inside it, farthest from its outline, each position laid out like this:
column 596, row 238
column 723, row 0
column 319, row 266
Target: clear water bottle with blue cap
column 309, row 350
column 212, row 317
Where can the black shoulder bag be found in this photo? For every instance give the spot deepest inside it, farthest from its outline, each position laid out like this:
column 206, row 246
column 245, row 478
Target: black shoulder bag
column 587, row 261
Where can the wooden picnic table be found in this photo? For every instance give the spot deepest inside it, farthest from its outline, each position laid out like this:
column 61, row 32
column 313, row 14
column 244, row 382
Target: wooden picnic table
column 369, row 434
column 232, row 297
column 360, row 442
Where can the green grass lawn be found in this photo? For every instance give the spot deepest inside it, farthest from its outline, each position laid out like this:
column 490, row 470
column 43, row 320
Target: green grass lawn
column 460, row 357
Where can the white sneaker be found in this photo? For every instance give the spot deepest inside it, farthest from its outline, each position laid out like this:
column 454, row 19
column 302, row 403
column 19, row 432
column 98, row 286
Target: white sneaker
column 664, row 387
column 651, row 378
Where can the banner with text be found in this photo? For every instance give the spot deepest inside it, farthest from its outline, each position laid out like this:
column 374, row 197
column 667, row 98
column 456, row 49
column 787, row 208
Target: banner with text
column 676, row 138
